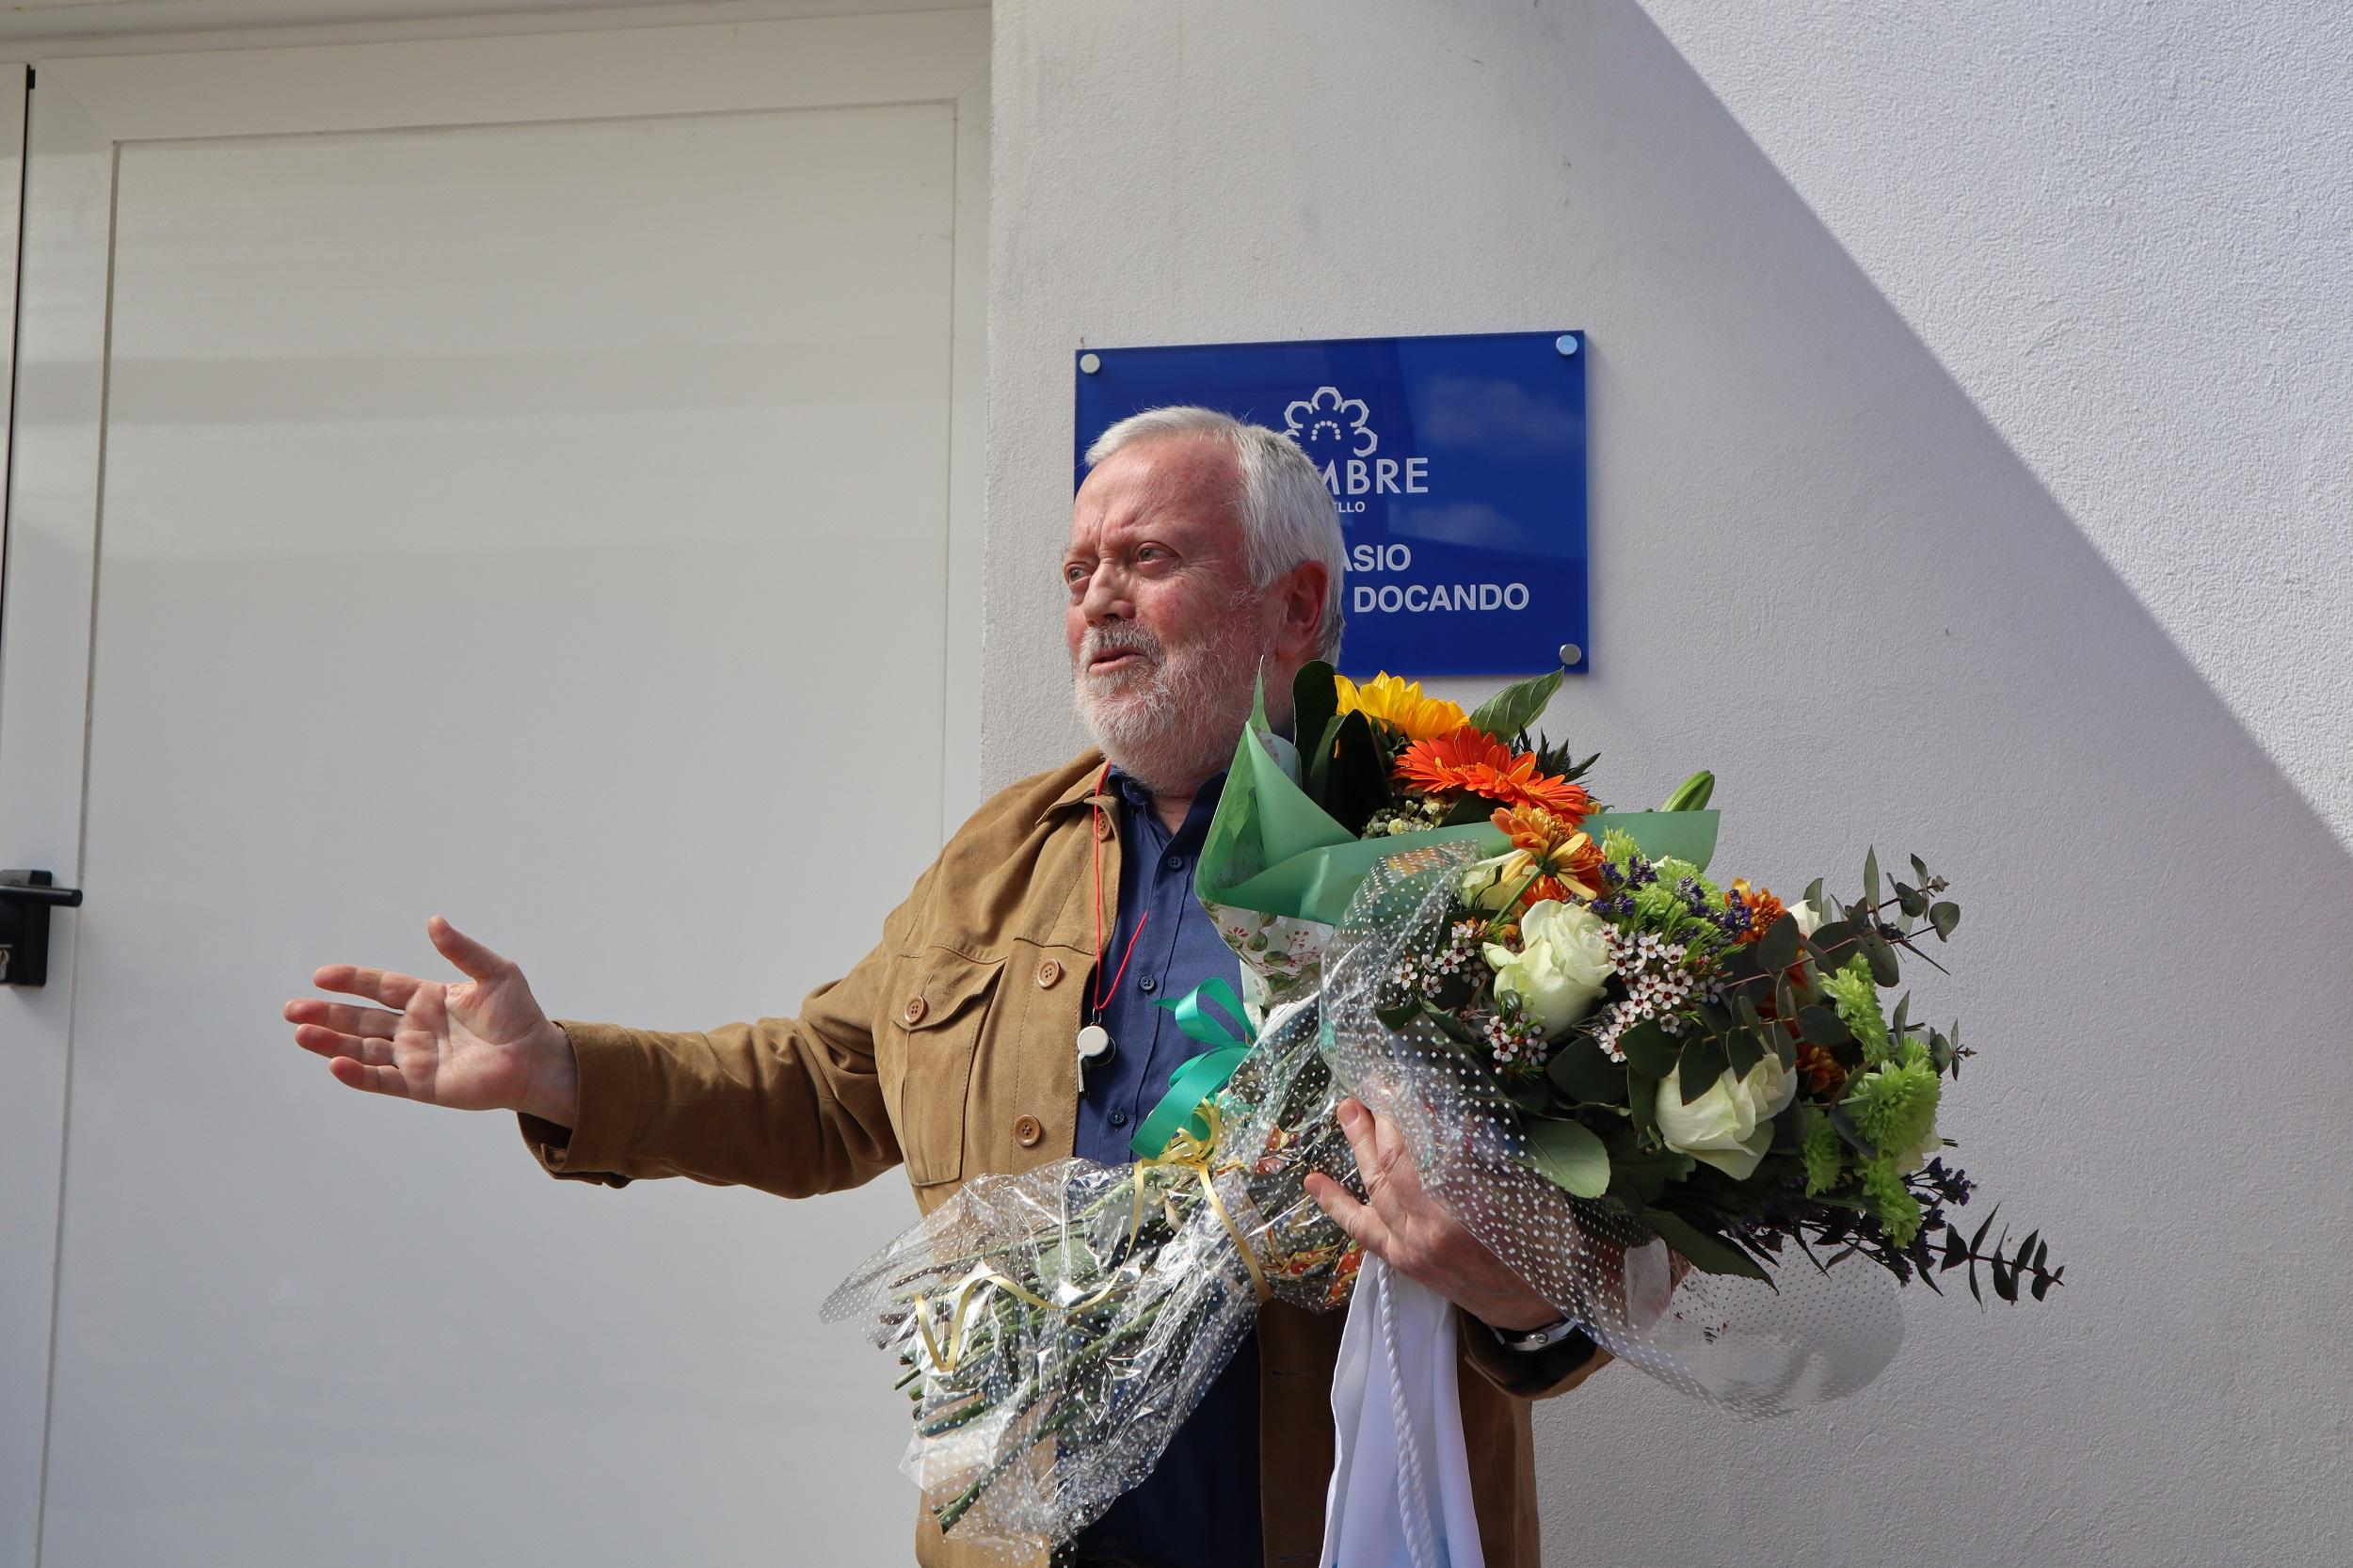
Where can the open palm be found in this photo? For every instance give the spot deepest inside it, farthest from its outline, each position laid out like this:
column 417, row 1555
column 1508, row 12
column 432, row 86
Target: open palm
column 480, row 1043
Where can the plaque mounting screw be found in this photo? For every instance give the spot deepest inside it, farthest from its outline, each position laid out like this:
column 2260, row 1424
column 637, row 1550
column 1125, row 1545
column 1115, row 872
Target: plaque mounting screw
column 1565, row 342
column 1090, row 362
column 1570, row 654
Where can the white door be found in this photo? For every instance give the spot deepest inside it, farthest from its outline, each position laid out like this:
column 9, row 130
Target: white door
column 530, row 479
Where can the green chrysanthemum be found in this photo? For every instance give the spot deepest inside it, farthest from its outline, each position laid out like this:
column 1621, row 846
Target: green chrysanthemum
column 1898, row 1211
column 1618, row 847
column 1660, row 906
column 1673, row 873
column 1895, row 1106
column 1823, row 1151
column 1856, row 995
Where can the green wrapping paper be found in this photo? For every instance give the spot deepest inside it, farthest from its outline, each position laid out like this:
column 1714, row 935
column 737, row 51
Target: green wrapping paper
column 1277, row 872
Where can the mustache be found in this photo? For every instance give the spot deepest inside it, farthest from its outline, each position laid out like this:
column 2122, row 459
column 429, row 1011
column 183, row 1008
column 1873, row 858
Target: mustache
column 1120, row 636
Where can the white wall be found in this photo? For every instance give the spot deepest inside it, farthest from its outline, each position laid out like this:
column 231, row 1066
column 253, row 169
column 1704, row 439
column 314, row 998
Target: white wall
column 2125, row 227
column 1822, row 570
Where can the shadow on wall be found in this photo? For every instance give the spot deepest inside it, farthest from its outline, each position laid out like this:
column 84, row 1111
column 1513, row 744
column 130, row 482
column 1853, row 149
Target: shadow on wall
column 1827, row 566
column 1820, row 572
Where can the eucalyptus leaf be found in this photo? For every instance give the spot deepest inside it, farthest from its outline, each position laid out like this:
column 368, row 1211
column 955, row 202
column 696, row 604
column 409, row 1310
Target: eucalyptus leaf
column 1880, row 956
column 1945, row 917
column 1710, row 1253
column 1778, row 948
column 1823, row 1027
column 1641, row 1100
column 1703, row 1062
column 1648, row 1048
column 1569, row 1155
column 1742, row 1051
column 1580, row 1071
column 1871, row 879
column 1639, row 1176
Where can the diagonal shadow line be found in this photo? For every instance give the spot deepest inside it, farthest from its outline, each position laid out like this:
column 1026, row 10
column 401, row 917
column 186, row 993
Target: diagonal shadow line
column 1846, row 592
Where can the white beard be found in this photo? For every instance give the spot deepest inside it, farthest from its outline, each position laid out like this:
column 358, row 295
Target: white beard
column 1169, row 723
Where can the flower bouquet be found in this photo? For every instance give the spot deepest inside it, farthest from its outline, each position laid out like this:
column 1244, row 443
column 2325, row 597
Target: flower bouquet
column 1610, row 1068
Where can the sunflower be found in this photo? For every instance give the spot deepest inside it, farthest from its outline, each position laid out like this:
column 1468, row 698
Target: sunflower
column 1399, row 704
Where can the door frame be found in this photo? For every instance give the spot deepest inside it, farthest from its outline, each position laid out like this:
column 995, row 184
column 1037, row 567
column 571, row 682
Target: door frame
column 83, row 110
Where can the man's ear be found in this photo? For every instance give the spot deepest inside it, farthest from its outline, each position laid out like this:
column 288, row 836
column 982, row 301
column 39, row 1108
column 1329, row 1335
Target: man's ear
column 1300, row 630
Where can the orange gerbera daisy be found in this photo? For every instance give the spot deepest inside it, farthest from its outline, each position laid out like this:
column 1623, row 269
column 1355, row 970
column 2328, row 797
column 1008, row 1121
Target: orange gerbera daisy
column 1763, row 908
column 1570, row 859
column 1470, row 761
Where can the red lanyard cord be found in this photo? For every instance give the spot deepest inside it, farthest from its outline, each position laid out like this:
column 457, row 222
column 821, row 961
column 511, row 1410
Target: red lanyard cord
column 1102, row 993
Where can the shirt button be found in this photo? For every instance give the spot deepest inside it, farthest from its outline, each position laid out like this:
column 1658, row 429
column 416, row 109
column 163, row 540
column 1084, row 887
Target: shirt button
column 912, row 1012
column 1147, row 984
column 1173, row 863
column 1118, row 1117
column 1047, row 974
column 1027, row 1132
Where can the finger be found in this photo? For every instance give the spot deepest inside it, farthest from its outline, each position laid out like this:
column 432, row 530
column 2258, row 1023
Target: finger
column 1356, row 1125
column 1397, row 1172
column 321, row 1041
column 385, row 985
column 338, row 1016
column 375, row 1081
column 1357, row 1221
column 478, row 962
column 1389, row 1177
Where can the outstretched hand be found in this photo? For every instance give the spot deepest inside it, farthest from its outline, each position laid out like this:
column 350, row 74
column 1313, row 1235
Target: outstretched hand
column 1406, row 1228
column 481, row 1044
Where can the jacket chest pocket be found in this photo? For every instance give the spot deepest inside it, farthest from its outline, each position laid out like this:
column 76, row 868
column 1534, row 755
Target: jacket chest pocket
column 939, row 1002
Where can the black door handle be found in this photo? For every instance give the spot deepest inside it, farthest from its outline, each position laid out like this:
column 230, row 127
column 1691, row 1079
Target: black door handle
column 25, row 899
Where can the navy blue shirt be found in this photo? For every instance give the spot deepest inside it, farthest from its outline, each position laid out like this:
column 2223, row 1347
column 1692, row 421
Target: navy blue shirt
column 1200, row 1504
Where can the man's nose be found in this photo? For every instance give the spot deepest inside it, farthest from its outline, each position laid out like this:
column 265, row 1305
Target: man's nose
column 1106, row 595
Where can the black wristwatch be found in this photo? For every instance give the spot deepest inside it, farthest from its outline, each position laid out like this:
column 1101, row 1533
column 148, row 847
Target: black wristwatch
column 1528, row 1341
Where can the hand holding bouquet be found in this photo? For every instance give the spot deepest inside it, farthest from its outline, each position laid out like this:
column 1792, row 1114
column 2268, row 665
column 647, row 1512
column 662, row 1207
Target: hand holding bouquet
column 1608, row 1068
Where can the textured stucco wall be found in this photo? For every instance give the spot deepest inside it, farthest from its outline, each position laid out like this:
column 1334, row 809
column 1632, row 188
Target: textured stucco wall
column 2125, row 227
column 1821, row 571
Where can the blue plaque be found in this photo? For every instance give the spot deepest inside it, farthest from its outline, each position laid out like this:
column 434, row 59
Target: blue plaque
column 1458, row 465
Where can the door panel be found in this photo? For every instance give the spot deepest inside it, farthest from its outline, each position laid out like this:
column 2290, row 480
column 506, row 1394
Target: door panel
column 546, row 523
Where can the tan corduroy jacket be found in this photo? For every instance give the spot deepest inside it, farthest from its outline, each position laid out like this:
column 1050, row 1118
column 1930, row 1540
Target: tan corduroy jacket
column 948, row 1049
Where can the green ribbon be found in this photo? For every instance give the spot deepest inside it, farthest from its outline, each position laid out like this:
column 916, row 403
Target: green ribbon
column 1202, row 1076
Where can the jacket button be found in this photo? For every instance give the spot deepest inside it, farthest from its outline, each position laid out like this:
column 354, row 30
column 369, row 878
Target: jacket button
column 1027, row 1132
column 1102, row 824
column 912, row 1012
column 1047, row 974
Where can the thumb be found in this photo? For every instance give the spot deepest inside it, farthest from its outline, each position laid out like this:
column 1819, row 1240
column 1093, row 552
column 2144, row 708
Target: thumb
column 478, row 962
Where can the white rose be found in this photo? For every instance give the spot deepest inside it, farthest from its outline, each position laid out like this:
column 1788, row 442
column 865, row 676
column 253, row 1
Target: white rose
column 1730, row 1124
column 1561, row 966
column 1808, row 918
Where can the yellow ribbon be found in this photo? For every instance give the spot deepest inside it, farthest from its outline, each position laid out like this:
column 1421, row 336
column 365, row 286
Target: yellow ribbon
column 1185, row 1152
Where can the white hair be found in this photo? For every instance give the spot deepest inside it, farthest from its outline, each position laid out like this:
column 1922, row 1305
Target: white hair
column 1288, row 516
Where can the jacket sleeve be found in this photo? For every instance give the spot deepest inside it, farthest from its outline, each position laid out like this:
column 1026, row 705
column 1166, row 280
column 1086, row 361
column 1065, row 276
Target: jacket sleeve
column 790, row 1106
column 1529, row 1374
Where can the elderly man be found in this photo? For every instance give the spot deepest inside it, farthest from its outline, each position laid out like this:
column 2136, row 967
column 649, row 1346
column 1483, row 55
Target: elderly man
column 1201, row 550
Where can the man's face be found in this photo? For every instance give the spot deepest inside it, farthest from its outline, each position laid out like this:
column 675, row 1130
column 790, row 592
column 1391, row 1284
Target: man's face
column 1164, row 629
